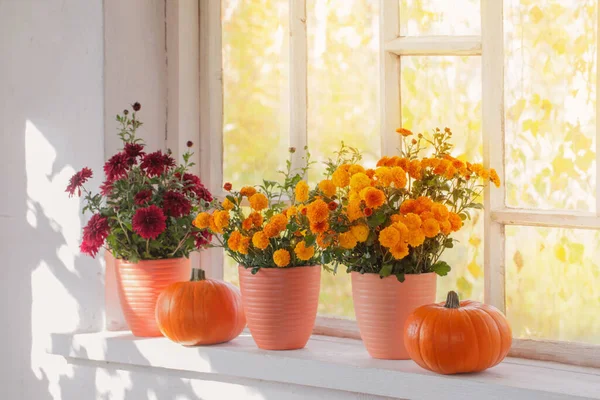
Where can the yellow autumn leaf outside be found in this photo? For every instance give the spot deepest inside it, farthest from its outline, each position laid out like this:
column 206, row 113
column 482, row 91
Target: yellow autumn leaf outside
column 560, row 252
column 576, row 252
column 536, row 15
column 475, row 269
column 464, row 287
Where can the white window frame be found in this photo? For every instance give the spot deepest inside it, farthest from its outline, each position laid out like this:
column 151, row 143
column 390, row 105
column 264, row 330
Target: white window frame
column 489, row 46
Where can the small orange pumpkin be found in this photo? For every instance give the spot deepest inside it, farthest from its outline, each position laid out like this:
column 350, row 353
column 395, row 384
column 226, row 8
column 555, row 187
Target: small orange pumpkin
column 456, row 337
column 201, row 311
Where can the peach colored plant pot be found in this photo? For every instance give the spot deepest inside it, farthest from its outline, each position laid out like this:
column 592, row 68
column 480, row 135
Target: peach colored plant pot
column 383, row 305
column 280, row 305
column 140, row 284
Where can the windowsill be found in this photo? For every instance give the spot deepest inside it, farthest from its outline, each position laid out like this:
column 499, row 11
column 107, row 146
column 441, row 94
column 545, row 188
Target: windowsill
column 330, row 363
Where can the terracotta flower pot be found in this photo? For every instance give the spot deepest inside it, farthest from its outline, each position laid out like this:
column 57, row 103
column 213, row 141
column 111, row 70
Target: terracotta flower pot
column 280, row 305
column 140, row 284
column 383, row 305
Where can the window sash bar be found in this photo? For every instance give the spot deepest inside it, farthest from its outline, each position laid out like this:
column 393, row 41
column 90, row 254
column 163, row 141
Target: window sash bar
column 546, row 218
column 492, row 36
column 298, row 81
column 390, row 107
column 211, row 116
column 435, row 46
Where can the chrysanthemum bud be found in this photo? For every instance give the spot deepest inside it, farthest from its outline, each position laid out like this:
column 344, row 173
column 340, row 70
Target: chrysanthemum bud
column 136, row 106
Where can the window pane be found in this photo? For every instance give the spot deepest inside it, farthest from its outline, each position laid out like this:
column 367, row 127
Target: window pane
column 440, row 17
column 553, row 283
column 550, row 92
column 343, row 78
column 256, row 90
column 446, row 92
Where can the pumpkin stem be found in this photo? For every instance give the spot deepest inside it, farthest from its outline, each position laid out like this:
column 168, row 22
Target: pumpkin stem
column 452, row 300
column 198, row 274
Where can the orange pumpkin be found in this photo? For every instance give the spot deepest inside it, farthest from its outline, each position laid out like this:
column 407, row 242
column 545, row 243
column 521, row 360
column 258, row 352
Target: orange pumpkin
column 453, row 337
column 201, row 311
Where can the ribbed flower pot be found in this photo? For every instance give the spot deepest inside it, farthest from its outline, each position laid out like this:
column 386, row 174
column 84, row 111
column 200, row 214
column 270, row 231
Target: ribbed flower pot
column 280, row 305
column 140, row 284
column 383, row 305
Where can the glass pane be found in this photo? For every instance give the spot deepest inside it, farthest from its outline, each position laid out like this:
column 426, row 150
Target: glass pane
column 255, row 89
column 343, row 78
column 446, row 92
column 553, row 283
column 440, row 17
column 550, row 94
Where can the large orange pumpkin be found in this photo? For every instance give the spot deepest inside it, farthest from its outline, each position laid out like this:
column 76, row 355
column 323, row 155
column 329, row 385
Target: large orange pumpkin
column 453, row 337
column 201, row 311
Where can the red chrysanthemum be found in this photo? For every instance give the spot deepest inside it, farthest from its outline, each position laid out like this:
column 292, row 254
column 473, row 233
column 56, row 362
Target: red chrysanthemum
column 332, row 206
column 175, row 204
column 368, row 212
column 94, row 235
column 106, row 188
column 202, row 239
column 154, row 164
column 194, row 184
column 116, row 167
column 78, row 180
column 168, row 161
column 142, row 197
column 228, row 186
column 133, row 151
column 149, row 222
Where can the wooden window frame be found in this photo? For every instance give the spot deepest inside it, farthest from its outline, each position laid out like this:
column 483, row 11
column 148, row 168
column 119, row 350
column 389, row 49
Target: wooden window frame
column 489, row 46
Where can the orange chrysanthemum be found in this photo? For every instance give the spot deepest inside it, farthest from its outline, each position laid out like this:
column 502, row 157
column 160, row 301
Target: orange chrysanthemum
column 258, row 201
column 399, row 177
column 494, row 177
column 257, row 219
column 455, row 221
column 347, row 240
column 360, row 232
column 359, row 181
column 221, row 219
column 327, row 187
column 356, row 169
column 382, row 161
column 317, row 211
column 414, row 169
column 400, row 250
column 202, row 220
column 412, row 221
column 404, row 132
column 408, row 206
column 304, row 253
column 440, row 212
column 244, row 245
column 319, row 227
column 281, row 258
column 248, row 191
column 431, row 227
column 234, row 240
column 445, row 227
column 374, row 198
column 227, row 205
column 260, row 240
column 247, row 224
column 324, row 241
column 341, row 178
column 415, row 237
column 384, row 176
column 353, row 210
column 389, row 236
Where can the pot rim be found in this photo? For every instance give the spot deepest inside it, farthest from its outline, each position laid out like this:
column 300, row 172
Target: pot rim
column 240, row 267
column 158, row 261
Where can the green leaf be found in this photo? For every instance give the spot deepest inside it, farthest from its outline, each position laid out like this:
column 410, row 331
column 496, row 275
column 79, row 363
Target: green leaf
column 386, row 270
column 400, row 277
column 310, row 240
column 441, row 268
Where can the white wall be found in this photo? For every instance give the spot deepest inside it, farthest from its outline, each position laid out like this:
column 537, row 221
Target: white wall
column 66, row 68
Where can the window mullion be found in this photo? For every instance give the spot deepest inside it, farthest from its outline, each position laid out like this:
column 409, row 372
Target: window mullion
column 389, row 78
column 435, row 45
column 493, row 146
column 298, row 81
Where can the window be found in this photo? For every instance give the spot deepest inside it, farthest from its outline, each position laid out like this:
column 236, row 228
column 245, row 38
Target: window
column 515, row 79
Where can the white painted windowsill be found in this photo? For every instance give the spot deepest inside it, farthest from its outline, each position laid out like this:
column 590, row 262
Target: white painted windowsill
column 330, row 363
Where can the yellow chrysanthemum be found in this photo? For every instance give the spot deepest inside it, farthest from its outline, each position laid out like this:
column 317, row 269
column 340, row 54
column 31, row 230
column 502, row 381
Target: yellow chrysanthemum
column 354, row 195
column 399, row 251
column 455, row 221
column 484, row 174
column 281, row 258
column 202, row 220
column 374, row 198
column 415, row 237
column 431, row 227
column 389, row 236
column 356, row 169
column 301, row 191
column 445, row 227
column 248, row 191
column 384, row 176
column 244, row 245
column 402, row 229
column 304, row 253
column 440, row 212
column 227, row 205
column 234, row 241
column 360, row 232
column 340, row 178
column 412, row 221
column 258, row 201
column 494, row 177
column 260, row 240
column 399, row 177
column 327, row 187
column 212, row 226
column 353, row 210
column 221, row 219
column 317, row 211
column 290, row 212
column 359, row 181
column 347, row 240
